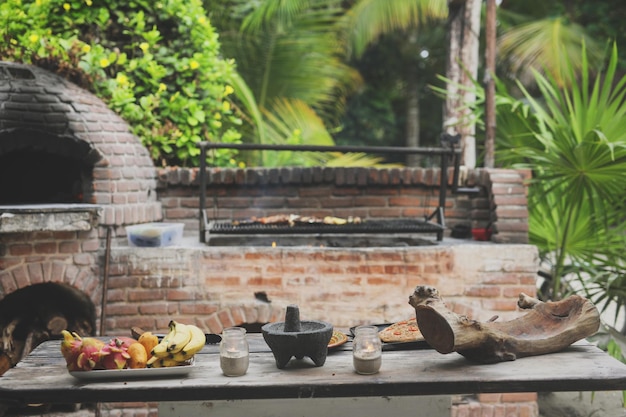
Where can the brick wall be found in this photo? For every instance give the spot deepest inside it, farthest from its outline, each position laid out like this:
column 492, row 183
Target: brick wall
column 519, row 404
column 215, row 286
column 507, row 199
column 70, row 257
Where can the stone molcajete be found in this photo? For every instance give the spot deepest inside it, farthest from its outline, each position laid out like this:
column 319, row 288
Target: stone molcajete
column 297, row 338
column 547, row 327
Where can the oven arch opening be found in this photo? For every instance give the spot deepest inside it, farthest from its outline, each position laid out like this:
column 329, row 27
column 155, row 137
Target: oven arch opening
column 41, row 168
column 39, row 312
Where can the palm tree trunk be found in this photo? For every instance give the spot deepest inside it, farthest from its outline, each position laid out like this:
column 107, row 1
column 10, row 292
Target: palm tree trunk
column 412, row 107
column 412, row 121
column 490, row 84
column 462, row 69
column 453, row 67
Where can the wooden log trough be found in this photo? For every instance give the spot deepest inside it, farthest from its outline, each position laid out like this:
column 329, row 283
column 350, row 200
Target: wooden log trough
column 548, row 327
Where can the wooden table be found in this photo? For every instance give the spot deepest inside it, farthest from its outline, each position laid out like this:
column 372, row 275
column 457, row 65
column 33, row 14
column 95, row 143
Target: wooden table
column 408, row 375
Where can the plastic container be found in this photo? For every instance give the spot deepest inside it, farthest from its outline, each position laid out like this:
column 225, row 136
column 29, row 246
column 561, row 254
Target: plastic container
column 155, row 235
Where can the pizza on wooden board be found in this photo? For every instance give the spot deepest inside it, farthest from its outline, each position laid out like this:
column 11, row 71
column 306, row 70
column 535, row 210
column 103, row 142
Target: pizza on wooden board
column 401, row 332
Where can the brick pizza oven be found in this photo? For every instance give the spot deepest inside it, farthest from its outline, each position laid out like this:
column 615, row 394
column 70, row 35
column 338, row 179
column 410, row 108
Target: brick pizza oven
column 72, row 176
column 69, row 171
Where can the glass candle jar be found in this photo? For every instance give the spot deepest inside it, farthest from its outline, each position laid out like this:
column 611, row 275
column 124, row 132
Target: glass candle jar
column 366, row 350
column 234, row 351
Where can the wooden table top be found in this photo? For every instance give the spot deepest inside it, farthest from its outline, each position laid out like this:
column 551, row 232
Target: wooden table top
column 42, row 377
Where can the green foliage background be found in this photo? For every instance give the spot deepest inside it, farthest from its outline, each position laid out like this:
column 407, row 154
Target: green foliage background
column 157, row 64
column 574, row 140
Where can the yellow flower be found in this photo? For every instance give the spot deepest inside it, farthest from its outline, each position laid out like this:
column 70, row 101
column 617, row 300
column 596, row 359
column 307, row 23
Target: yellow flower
column 33, row 38
column 162, row 87
column 144, row 46
column 104, row 62
column 297, row 132
column 228, row 90
column 86, row 48
column 242, row 164
column 122, row 79
column 226, row 105
column 232, row 161
column 194, row 64
column 217, row 116
column 201, row 20
column 67, row 6
column 88, row 2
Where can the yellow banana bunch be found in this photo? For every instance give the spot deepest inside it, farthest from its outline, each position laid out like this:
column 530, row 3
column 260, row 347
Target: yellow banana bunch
column 155, row 362
column 181, row 343
column 181, row 337
column 195, row 344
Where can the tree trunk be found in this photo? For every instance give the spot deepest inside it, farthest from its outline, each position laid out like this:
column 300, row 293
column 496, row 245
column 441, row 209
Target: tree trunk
column 490, row 84
column 412, row 107
column 462, row 70
column 413, row 125
column 453, row 67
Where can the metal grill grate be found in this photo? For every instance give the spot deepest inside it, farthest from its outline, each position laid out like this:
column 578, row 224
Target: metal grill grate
column 370, row 226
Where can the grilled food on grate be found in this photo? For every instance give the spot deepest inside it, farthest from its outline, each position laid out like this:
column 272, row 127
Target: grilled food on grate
column 293, row 219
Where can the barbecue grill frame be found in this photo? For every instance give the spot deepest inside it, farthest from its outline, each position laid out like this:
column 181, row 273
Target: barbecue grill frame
column 448, row 151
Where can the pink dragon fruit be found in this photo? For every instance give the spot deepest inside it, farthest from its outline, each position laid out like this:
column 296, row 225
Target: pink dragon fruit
column 70, row 348
column 81, row 354
column 115, row 353
column 90, row 355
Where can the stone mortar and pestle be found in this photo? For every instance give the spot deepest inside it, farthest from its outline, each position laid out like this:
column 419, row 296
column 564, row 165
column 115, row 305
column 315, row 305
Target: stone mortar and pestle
column 295, row 338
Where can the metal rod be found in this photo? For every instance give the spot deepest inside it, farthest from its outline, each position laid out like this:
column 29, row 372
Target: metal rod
column 323, row 148
column 105, row 280
column 201, row 217
column 443, row 189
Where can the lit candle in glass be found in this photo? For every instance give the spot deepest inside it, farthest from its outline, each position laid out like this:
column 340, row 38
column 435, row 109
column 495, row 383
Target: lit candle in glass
column 366, row 350
column 234, row 351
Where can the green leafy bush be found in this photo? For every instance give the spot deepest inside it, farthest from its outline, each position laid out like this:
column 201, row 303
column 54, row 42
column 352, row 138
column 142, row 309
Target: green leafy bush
column 157, row 64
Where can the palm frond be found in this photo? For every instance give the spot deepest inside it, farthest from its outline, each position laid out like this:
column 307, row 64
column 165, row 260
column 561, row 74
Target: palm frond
column 276, row 12
column 246, row 98
column 294, row 122
column 294, row 54
column 548, row 46
column 369, row 19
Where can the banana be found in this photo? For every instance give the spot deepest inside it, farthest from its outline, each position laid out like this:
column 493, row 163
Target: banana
column 160, row 350
column 195, row 344
column 155, row 362
column 181, row 337
column 151, row 362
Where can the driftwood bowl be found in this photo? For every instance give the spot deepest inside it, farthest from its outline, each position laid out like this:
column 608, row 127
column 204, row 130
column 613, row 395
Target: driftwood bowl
column 546, row 327
column 295, row 338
